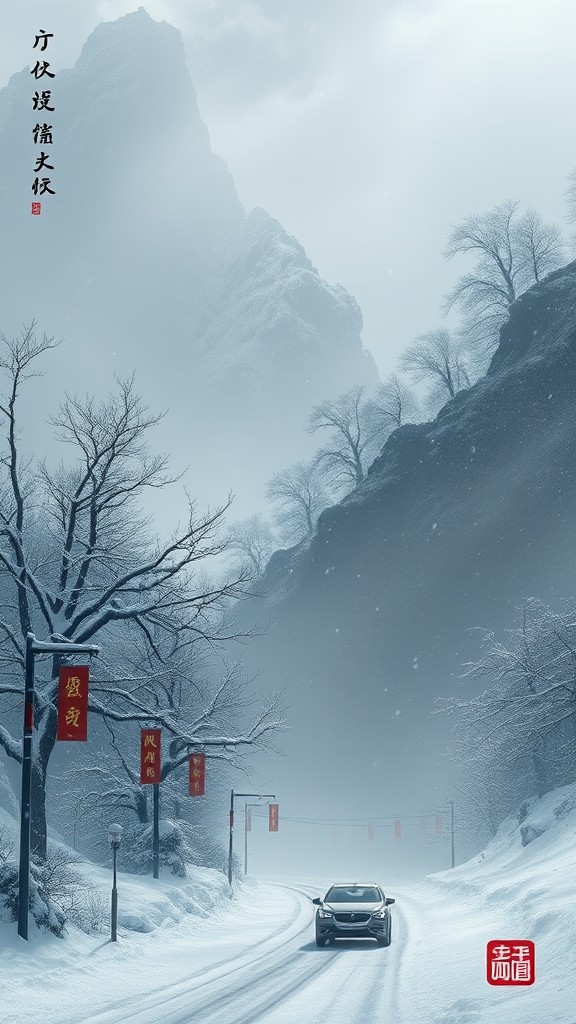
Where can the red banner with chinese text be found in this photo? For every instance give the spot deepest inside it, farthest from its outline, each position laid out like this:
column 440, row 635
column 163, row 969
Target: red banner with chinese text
column 196, row 774
column 272, row 817
column 150, row 754
column 72, row 703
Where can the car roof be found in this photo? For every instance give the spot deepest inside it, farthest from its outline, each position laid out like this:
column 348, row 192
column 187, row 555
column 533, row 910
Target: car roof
column 356, row 885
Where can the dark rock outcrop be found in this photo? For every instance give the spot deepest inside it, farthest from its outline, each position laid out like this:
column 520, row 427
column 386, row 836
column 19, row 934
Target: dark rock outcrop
column 457, row 521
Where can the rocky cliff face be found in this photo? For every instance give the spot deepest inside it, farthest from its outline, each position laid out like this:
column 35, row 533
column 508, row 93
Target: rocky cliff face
column 457, row 521
column 282, row 336
column 146, row 259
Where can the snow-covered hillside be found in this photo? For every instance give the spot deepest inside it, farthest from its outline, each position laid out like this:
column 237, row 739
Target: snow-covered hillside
column 522, row 886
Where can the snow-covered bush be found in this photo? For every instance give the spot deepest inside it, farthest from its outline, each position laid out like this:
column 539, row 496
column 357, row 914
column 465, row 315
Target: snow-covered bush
column 58, row 894
column 47, row 915
column 6, row 844
column 180, row 844
column 93, row 916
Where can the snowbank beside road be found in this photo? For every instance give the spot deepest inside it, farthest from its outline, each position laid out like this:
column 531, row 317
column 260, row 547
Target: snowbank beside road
column 143, row 905
column 529, row 866
column 522, row 886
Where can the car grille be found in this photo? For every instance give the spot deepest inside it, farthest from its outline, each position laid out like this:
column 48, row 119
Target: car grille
column 352, row 918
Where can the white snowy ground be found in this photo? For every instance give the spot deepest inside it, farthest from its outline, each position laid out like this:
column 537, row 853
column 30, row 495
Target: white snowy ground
column 210, row 959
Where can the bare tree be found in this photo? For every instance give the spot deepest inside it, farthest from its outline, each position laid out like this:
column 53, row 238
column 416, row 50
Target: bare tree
column 300, row 497
column 437, row 360
column 513, row 252
column 205, row 712
column 78, row 559
column 252, row 542
column 524, row 726
column 351, row 444
column 394, row 403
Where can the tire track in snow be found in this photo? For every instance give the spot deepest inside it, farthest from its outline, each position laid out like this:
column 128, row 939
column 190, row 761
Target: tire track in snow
column 360, row 985
column 194, row 999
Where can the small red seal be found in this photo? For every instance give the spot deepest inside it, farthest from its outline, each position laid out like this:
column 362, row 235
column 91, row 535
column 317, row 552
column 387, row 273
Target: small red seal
column 510, row 962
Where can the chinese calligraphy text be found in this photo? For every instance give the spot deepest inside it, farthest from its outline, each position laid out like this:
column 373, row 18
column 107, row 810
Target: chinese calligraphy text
column 510, row 962
column 150, row 756
column 73, row 703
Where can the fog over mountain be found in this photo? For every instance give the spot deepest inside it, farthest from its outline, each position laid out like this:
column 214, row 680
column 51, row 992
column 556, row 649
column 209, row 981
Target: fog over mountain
column 145, row 260
column 456, row 523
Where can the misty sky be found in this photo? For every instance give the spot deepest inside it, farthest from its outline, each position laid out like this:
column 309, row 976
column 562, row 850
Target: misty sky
column 366, row 128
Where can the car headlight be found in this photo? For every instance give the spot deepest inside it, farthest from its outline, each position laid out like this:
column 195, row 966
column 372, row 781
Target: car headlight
column 380, row 913
column 325, row 913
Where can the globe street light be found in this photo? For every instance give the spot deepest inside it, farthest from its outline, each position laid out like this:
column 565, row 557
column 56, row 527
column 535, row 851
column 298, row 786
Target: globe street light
column 114, row 838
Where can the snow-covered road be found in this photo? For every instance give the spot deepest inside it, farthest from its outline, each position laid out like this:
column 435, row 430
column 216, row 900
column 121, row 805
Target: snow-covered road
column 256, row 962
column 281, row 977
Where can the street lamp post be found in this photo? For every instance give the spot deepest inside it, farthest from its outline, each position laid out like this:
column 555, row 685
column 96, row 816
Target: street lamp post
column 114, row 838
column 233, row 795
column 33, row 647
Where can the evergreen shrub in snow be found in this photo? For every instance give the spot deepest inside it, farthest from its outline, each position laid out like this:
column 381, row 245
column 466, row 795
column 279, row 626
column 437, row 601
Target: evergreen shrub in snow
column 180, row 844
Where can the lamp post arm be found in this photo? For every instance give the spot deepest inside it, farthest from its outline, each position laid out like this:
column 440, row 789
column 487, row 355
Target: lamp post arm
column 65, row 647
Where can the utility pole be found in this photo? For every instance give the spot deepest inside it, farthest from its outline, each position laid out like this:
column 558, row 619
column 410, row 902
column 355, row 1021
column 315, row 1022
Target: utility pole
column 233, row 795
column 156, row 832
column 33, row 647
column 451, row 802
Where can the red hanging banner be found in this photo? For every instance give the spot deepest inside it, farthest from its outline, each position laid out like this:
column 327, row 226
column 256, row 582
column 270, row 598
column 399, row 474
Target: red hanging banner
column 370, row 833
column 438, row 827
column 248, row 820
column 196, row 774
column 72, row 703
column 272, row 817
column 397, row 829
column 150, row 754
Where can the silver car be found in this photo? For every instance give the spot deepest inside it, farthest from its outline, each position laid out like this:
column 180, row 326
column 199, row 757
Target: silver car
column 354, row 910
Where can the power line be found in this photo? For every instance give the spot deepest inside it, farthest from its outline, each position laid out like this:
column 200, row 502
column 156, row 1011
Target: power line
column 376, row 822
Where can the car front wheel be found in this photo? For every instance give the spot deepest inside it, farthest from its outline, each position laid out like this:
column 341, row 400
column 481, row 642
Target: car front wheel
column 321, row 941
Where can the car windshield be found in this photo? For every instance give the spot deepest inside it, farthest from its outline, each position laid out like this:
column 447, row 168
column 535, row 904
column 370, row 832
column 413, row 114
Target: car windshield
column 353, row 894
